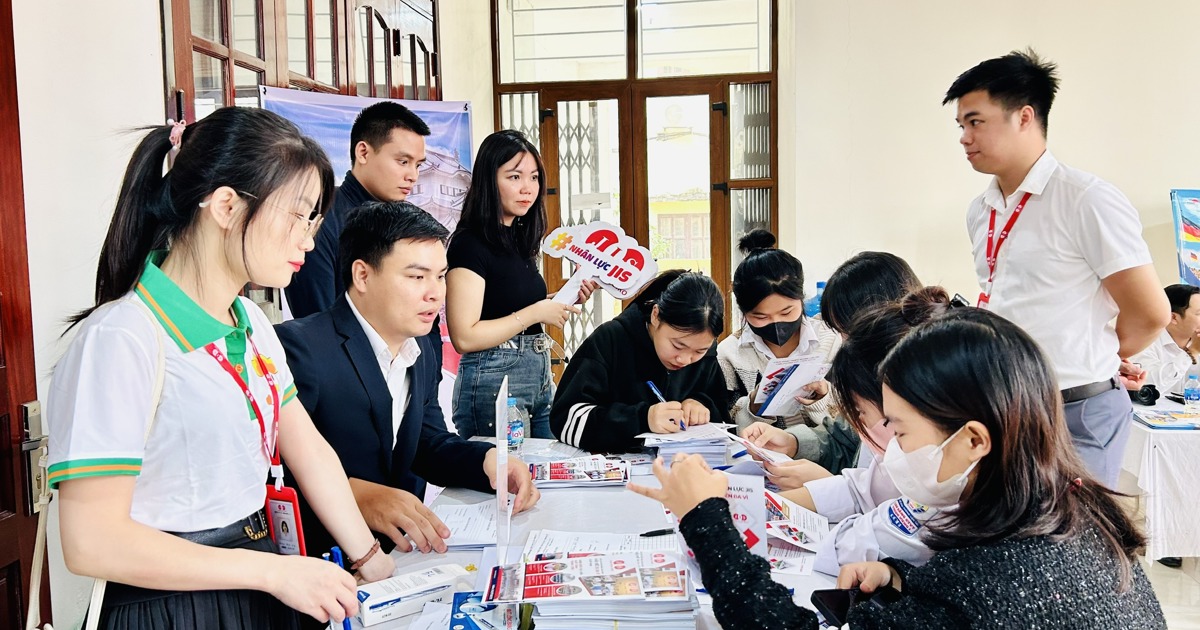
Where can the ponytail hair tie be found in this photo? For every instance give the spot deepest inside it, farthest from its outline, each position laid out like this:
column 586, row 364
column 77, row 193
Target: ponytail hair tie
column 1076, row 484
column 176, row 132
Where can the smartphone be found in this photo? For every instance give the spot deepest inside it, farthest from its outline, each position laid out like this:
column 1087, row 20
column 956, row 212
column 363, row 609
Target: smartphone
column 835, row 604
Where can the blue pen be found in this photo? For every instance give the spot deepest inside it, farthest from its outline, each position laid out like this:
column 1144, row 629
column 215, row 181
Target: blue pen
column 739, row 454
column 659, row 395
column 335, row 556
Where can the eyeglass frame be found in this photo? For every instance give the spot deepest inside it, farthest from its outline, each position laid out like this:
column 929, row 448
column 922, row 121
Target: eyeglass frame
column 313, row 224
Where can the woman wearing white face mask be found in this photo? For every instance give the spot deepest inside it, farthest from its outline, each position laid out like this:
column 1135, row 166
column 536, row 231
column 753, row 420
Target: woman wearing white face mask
column 1033, row 541
column 874, row 518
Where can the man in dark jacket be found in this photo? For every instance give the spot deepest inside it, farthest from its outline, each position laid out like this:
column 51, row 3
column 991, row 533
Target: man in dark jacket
column 387, row 149
column 367, row 373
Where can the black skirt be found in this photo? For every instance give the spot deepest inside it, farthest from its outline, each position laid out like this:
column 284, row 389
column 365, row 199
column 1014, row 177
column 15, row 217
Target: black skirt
column 134, row 608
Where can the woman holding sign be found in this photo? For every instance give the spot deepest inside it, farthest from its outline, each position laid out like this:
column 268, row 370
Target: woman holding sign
column 768, row 287
column 496, row 300
column 653, row 368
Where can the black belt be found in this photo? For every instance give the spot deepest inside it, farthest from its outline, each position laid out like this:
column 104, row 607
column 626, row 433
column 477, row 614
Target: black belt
column 253, row 527
column 1083, row 392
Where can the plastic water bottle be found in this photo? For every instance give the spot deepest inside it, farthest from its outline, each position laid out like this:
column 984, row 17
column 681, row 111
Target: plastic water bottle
column 516, row 425
column 812, row 306
column 1191, row 390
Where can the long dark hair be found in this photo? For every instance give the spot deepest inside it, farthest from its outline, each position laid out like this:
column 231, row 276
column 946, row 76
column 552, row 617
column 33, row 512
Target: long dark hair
column 482, row 213
column 765, row 271
column 855, row 369
column 249, row 150
column 687, row 301
column 865, row 280
column 974, row 365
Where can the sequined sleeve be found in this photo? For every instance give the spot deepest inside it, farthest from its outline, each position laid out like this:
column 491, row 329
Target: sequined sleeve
column 744, row 595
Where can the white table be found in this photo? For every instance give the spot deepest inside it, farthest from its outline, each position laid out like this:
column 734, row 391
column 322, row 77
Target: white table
column 611, row 509
column 1166, row 463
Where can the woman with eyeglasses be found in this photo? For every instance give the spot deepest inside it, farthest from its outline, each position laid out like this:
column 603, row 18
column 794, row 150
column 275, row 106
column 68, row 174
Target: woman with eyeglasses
column 1027, row 539
column 174, row 402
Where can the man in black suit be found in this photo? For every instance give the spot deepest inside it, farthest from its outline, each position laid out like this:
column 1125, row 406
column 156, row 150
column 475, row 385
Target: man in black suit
column 368, row 373
column 387, row 149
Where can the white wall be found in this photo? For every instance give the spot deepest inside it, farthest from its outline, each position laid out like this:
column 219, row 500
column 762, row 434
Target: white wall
column 86, row 71
column 877, row 164
column 465, row 39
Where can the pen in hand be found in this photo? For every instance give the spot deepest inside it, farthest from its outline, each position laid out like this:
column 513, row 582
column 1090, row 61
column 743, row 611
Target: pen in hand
column 658, row 394
column 335, row 556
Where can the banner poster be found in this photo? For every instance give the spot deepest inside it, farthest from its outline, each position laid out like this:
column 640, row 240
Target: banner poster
column 444, row 178
column 1185, row 208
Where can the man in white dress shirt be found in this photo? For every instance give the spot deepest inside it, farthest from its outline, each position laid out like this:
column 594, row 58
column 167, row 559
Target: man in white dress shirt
column 1074, row 261
column 1167, row 360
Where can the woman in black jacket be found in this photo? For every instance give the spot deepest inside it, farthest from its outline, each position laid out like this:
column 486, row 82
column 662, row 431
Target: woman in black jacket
column 666, row 337
column 1026, row 539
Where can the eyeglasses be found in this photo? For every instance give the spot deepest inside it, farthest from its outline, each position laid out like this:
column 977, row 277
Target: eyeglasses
column 311, row 225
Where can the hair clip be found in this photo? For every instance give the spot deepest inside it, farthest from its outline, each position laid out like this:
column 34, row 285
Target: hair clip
column 1076, row 484
column 176, row 132
column 958, row 301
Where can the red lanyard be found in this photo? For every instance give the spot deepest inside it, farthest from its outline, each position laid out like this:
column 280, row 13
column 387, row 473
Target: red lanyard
column 993, row 250
column 269, row 446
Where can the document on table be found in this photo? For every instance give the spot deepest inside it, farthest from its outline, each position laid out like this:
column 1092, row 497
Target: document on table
column 547, row 542
column 435, row 616
column 790, row 560
column 710, row 431
column 471, row 526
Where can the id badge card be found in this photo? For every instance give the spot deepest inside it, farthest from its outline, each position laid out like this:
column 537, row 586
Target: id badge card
column 283, row 512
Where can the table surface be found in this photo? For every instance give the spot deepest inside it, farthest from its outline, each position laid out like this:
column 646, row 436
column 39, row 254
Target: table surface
column 610, row 509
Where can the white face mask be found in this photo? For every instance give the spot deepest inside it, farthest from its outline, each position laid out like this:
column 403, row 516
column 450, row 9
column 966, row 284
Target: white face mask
column 915, row 474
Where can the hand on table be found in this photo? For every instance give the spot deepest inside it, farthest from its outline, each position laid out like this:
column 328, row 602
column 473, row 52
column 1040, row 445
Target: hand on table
column 665, row 417
column 867, row 576
column 520, row 482
column 394, row 513
column 694, row 413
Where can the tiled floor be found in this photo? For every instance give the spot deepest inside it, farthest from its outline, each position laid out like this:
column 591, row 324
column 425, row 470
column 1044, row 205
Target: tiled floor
column 1178, row 592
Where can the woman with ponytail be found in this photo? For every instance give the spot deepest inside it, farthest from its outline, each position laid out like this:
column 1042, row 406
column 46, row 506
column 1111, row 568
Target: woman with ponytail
column 653, row 368
column 1027, row 537
column 174, row 400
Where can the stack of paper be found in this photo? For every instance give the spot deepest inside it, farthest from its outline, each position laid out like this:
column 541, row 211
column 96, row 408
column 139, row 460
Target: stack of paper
column 591, row 471
column 793, row 535
column 646, row 589
column 471, row 526
column 1167, row 419
column 710, row 441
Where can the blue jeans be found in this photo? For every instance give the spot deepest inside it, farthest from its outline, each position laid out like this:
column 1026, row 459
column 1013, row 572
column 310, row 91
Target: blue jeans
column 525, row 359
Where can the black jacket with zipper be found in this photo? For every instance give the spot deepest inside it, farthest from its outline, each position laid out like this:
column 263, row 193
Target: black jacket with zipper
column 603, row 399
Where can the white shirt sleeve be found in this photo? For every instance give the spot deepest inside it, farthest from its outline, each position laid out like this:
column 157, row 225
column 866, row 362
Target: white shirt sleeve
column 98, row 404
column 855, row 491
column 1109, row 232
column 891, row 530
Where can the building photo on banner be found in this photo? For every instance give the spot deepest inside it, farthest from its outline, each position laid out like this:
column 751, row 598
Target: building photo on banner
column 444, row 177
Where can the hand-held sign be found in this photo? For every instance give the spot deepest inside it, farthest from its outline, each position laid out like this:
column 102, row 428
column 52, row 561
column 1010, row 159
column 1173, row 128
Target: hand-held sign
column 600, row 251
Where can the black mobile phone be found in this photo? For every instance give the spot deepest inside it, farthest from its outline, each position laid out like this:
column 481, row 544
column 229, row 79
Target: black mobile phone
column 1176, row 398
column 835, row 604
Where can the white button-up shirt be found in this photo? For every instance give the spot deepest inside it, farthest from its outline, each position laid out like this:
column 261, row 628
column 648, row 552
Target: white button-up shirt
column 808, row 342
column 1075, row 230
column 394, row 368
column 1166, row 364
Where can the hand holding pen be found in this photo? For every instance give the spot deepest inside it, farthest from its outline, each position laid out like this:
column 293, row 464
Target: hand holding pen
column 665, row 417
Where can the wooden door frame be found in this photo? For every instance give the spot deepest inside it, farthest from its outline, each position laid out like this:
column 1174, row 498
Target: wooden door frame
column 16, row 330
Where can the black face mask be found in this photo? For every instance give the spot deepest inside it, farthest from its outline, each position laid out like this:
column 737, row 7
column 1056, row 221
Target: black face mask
column 777, row 333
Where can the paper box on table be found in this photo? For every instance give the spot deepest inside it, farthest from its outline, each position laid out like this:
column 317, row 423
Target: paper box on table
column 407, row 594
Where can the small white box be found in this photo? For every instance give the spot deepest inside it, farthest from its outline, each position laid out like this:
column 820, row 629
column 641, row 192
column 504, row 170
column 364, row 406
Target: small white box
column 407, row 594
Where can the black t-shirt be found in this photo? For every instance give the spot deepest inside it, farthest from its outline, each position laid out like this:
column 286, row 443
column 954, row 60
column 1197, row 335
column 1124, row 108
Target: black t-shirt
column 510, row 282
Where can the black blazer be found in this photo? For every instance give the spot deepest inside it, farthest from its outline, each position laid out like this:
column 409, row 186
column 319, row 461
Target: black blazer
column 339, row 382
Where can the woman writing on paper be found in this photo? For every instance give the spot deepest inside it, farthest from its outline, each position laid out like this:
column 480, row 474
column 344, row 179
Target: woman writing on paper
column 861, row 282
column 161, row 485
column 496, row 300
column 664, row 338
column 1028, row 538
column 768, row 287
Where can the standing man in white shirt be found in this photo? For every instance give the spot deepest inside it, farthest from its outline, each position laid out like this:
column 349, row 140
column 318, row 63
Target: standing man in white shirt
column 1167, row 360
column 1058, row 251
